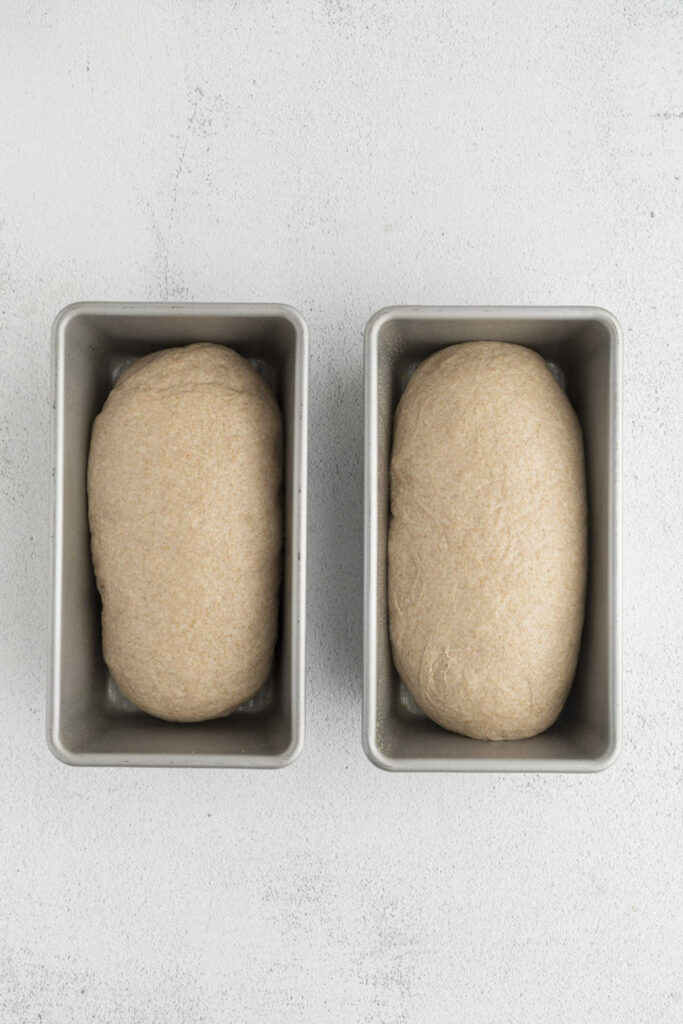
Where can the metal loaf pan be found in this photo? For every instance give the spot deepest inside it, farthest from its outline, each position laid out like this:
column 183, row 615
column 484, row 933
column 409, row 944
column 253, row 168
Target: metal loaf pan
column 88, row 720
column 583, row 346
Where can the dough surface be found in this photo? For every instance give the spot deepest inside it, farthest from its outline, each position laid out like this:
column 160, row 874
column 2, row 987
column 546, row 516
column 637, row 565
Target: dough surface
column 184, row 502
column 487, row 541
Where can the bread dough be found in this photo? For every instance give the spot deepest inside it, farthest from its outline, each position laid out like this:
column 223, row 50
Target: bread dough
column 487, row 541
column 184, row 493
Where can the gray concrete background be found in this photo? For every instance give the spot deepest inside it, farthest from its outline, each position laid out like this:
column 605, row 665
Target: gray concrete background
column 342, row 156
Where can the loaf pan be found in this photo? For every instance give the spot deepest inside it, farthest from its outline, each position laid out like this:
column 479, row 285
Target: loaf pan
column 88, row 721
column 583, row 348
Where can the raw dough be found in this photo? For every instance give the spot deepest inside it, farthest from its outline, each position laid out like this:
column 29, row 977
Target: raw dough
column 184, row 481
column 487, row 541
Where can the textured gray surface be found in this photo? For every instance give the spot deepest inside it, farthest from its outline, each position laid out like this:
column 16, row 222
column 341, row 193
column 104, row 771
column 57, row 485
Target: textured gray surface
column 343, row 156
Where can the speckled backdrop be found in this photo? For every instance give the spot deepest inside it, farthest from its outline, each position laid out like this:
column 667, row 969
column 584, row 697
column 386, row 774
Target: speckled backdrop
column 341, row 156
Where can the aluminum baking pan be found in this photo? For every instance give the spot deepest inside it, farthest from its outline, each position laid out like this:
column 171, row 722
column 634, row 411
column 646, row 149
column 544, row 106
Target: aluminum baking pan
column 88, row 720
column 583, row 347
